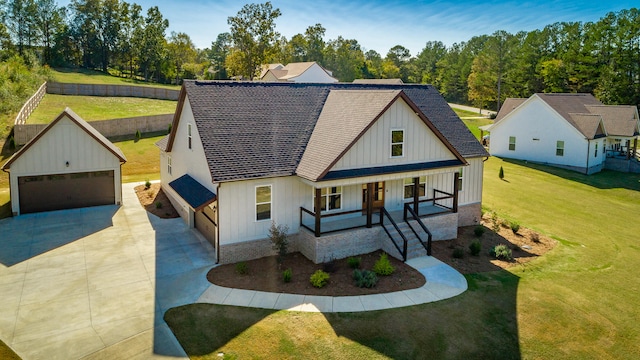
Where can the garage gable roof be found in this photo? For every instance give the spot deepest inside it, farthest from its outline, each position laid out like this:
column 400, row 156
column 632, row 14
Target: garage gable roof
column 75, row 118
column 196, row 195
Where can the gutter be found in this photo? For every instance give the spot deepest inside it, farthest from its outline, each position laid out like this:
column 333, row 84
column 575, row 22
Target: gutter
column 586, row 171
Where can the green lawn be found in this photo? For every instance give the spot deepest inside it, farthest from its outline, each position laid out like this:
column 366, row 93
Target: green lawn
column 579, row 301
column 99, row 107
column 474, row 124
column 84, row 76
column 465, row 113
column 6, row 353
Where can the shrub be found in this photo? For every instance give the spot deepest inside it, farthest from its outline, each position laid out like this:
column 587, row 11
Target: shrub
column 493, row 115
column 354, row 262
column 158, row 205
column 242, row 268
column 479, row 230
column 319, row 279
column 383, row 266
column 514, row 227
column 278, row 237
column 329, row 266
column 501, row 173
column 475, row 247
column 138, row 135
column 286, row 275
column 495, row 223
column 169, row 129
column 12, row 143
column 535, row 237
column 458, row 253
column 365, row 278
column 501, row 252
column 147, row 184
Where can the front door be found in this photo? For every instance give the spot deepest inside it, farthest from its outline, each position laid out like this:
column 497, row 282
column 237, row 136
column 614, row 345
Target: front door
column 378, row 196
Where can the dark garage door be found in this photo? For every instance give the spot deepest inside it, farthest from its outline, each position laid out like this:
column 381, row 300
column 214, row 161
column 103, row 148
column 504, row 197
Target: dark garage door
column 204, row 221
column 66, row 191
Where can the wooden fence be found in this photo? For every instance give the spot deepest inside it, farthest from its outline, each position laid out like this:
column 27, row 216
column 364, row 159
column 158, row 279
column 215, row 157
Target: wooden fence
column 112, row 90
column 31, row 105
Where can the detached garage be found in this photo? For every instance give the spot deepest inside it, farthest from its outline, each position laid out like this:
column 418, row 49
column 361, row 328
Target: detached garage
column 67, row 165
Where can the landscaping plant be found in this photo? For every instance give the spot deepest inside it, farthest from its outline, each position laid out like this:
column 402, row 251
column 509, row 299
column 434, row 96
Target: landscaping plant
column 319, row 279
column 354, row 262
column 365, row 278
column 479, row 230
column 515, row 227
column 458, row 253
column 286, row 275
column 242, row 268
column 475, row 247
column 278, row 237
column 383, row 266
column 501, row 252
column 501, row 173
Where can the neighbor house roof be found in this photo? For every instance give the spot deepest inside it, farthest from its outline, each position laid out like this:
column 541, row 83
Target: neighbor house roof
column 508, row 106
column 590, row 125
column 75, row 118
column 378, row 81
column 290, row 71
column 257, row 129
column 620, row 120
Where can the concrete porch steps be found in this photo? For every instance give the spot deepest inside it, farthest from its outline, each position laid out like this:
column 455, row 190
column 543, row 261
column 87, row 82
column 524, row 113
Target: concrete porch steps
column 414, row 247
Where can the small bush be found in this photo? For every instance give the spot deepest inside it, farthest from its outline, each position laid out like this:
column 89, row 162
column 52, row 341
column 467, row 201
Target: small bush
column 319, row 279
column 479, row 230
column 383, row 266
column 535, row 237
column 495, row 223
column 365, row 278
column 515, row 227
column 354, row 262
column 501, row 173
column 279, row 241
column 458, row 253
column 158, row 205
column 493, row 115
column 501, row 252
column 329, row 266
column 138, row 135
column 147, row 184
column 475, row 247
column 242, row 268
column 286, row 275
column 169, row 129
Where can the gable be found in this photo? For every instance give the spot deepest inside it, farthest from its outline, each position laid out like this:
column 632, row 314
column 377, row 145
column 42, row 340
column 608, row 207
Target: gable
column 373, row 148
column 313, row 74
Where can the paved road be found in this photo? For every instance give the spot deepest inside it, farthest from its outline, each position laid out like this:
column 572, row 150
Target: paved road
column 95, row 282
column 470, row 108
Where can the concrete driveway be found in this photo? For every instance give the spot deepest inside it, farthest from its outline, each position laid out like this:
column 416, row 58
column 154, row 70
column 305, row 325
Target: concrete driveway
column 95, row 282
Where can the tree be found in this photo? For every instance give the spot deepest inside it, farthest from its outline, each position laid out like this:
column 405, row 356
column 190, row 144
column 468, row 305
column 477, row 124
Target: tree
column 345, row 58
column 315, row 44
column 49, row 20
column 427, row 61
column 217, row 55
column 181, row 51
column 132, row 24
column 254, row 37
column 152, row 43
column 20, row 22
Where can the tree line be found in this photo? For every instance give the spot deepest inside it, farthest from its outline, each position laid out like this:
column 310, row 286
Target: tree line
column 601, row 57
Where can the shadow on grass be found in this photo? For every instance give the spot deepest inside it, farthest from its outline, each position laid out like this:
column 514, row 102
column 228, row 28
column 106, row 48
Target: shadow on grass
column 606, row 179
column 480, row 323
column 145, row 135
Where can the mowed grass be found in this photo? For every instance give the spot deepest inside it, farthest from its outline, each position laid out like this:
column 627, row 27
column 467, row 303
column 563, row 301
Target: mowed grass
column 579, row 301
column 473, row 120
column 6, row 353
column 99, row 108
column 84, row 76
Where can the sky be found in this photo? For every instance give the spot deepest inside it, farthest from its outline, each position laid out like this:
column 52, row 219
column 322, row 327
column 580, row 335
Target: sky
column 379, row 25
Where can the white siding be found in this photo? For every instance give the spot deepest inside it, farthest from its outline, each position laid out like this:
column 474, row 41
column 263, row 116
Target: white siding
column 374, row 147
column 64, row 142
column 537, row 128
column 472, row 182
column 237, row 207
column 314, row 74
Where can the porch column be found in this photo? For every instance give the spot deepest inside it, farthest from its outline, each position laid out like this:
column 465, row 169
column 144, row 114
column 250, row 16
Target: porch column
column 369, row 204
column 628, row 149
column 416, row 195
column 317, row 211
column 455, row 191
column 635, row 148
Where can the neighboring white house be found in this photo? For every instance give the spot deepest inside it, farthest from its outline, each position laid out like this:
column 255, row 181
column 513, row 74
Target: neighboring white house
column 67, row 165
column 302, row 72
column 242, row 155
column 573, row 131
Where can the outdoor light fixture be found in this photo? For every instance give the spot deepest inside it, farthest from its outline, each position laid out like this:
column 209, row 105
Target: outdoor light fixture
column 67, row 163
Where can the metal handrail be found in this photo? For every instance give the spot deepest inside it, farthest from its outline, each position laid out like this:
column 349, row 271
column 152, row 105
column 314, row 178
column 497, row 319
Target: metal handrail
column 403, row 252
column 415, row 216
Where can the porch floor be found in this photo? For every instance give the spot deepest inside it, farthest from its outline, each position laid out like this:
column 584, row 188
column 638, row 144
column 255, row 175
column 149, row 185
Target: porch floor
column 337, row 224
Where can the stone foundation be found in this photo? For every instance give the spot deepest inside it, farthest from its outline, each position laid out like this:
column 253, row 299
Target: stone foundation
column 469, row 215
column 442, row 227
column 247, row 250
column 339, row 245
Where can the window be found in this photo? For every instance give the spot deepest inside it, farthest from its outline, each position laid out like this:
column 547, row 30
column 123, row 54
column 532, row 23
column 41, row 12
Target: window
column 559, row 148
column 512, row 143
column 460, row 179
column 263, row 202
column 169, row 164
column 189, row 134
column 331, row 198
column 595, row 153
column 408, row 187
column 397, row 143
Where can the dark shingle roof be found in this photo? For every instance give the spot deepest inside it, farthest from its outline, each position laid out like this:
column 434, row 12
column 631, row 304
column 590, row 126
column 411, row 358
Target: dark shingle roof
column 196, row 195
column 256, row 129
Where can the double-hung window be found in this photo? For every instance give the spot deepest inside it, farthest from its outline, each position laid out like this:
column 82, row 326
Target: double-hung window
column 397, row 143
column 169, row 164
column 408, row 187
column 330, row 198
column 460, row 172
column 189, row 134
column 559, row 148
column 595, row 153
column 263, row 202
column 512, row 143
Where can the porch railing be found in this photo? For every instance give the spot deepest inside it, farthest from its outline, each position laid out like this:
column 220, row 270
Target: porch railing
column 324, row 216
column 439, row 195
column 408, row 209
column 384, row 213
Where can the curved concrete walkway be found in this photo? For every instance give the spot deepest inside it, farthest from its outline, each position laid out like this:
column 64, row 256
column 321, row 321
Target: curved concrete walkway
column 443, row 282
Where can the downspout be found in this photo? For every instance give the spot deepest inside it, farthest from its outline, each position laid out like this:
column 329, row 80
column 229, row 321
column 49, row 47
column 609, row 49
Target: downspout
column 586, row 172
column 218, row 224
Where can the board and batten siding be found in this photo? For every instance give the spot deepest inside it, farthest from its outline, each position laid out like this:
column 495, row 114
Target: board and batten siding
column 237, row 207
column 374, row 146
column 64, row 142
column 537, row 128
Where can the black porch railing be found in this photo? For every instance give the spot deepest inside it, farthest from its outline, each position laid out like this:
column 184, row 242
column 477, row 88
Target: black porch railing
column 427, row 246
column 384, row 213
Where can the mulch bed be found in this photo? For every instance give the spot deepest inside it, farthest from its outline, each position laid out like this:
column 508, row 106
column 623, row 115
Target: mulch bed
column 154, row 200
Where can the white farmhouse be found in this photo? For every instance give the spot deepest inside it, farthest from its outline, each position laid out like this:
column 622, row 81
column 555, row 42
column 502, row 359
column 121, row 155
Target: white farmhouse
column 573, row 131
column 332, row 162
column 301, row 72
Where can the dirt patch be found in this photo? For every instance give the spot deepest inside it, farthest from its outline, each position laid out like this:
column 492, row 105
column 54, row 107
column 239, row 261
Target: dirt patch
column 525, row 245
column 265, row 274
column 154, row 200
